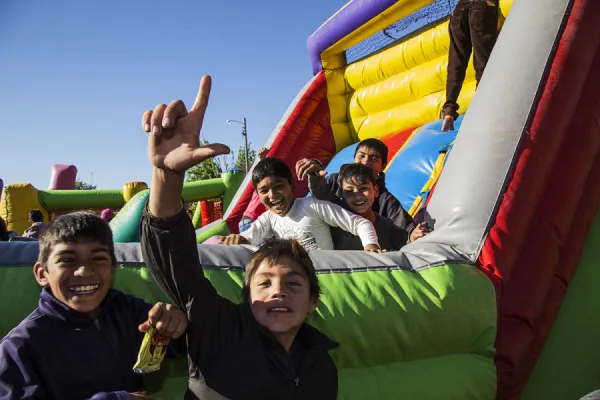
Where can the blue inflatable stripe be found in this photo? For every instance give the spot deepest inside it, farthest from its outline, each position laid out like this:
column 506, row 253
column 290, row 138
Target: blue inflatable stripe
column 412, row 167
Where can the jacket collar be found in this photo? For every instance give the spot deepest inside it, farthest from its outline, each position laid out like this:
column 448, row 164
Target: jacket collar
column 50, row 306
column 381, row 183
column 309, row 336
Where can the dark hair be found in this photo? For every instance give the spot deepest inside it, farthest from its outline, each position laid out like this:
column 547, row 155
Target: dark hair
column 270, row 252
column 3, row 231
column 77, row 227
column 377, row 145
column 271, row 167
column 360, row 172
column 36, row 216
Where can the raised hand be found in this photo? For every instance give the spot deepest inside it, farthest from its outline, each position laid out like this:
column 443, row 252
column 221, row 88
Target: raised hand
column 174, row 147
column 174, row 143
column 307, row 166
column 262, row 152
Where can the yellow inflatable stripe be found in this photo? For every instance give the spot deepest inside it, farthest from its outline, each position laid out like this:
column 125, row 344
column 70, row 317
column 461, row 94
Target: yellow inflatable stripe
column 400, row 58
column 333, row 57
column 403, row 88
column 437, row 170
column 404, row 116
column 407, row 55
column 397, row 88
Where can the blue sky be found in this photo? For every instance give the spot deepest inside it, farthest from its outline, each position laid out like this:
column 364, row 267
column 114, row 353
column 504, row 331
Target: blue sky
column 76, row 76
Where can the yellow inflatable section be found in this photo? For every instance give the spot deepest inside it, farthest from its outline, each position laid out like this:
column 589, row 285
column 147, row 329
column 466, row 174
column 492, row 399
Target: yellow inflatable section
column 397, row 88
column 16, row 202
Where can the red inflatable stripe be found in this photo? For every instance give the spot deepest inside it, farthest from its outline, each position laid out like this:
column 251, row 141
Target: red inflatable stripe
column 306, row 133
column 582, row 155
column 535, row 216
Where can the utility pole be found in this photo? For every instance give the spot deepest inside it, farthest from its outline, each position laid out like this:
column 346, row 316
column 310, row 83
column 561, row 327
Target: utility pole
column 245, row 134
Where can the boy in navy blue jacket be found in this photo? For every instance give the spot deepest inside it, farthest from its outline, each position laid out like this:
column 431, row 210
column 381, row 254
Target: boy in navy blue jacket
column 83, row 339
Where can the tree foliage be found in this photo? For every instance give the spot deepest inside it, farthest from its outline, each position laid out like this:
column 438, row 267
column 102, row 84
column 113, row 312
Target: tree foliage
column 213, row 167
column 82, row 185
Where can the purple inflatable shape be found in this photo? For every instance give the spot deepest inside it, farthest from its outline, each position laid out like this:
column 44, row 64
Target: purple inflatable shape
column 1, row 186
column 341, row 24
column 63, row 177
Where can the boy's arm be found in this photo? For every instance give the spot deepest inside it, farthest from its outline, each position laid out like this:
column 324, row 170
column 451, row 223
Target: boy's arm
column 19, row 380
column 318, row 186
column 171, row 254
column 259, row 230
column 18, row 377
column 390, row 207
column 398, row 237
column 325, row 188
column 168, row 238
column 335, row 215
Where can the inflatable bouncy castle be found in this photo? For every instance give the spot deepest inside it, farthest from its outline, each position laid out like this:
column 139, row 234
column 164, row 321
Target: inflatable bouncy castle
column 18, row 199
column 478, row 309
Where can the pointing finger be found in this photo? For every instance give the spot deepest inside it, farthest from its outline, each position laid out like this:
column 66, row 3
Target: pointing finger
column 199, row 108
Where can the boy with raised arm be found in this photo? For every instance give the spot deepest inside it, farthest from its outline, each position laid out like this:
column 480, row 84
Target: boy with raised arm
column 261, row 349
column 372, row 153
column 306, row 220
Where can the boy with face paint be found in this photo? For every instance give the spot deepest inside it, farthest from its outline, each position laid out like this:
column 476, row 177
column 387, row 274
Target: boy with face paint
column 83, row 339
column 360, row 191
column 372, row 153
column 306, row 220
column 261, row 349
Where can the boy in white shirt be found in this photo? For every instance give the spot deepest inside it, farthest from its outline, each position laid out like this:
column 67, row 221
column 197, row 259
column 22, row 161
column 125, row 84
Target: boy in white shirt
column 306, row 220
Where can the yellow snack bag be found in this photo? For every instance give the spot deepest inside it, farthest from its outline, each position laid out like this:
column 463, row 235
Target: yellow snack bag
column 152, row 352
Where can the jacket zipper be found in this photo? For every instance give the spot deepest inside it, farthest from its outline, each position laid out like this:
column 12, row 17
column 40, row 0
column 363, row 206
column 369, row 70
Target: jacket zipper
column 97, row 323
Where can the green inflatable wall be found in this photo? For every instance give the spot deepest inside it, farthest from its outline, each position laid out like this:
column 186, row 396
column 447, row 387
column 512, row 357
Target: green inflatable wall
column 424, row 334
column 568, row 367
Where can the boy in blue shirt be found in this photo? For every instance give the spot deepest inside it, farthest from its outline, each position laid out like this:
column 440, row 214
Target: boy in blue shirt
column 83, row 339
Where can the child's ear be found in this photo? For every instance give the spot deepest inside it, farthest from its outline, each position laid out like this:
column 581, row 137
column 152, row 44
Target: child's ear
column 40, row 274
column 376, row 190
column 313, row 306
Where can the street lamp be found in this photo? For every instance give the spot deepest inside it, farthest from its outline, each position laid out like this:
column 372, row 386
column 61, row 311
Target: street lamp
column 245, row 135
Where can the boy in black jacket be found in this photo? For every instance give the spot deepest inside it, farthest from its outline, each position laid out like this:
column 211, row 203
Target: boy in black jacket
column 359, row 192
column 372, row 153
column 261, row 349
column 83, row 339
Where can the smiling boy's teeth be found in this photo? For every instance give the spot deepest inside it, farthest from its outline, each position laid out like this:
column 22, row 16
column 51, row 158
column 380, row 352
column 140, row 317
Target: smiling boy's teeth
column 87, row 288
